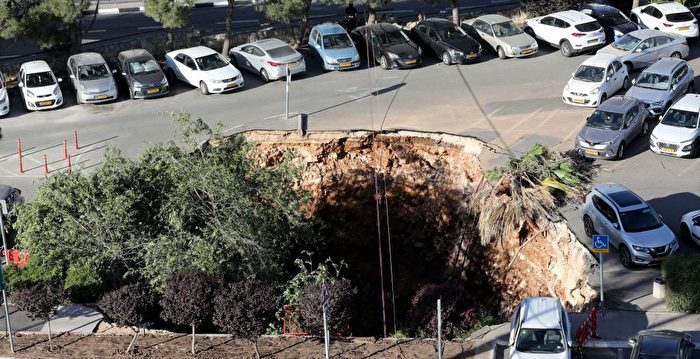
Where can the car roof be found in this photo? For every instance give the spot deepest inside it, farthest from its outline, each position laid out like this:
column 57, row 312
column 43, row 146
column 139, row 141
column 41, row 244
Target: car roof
column 621, row 196
column 135, row 53
column 573, row 16
column 600, row 7
column 618, row 104
column 267, row 44
column 665, row 333
column 659, row 343
column 664, row 66
column 88, row 58
column 600, row 59
column 381, row 27
column 689, row 102
column 541, row 313
column 329, row 28
column 197, row 51
column 36, row 66
column 494, row 18
column 671, row 7
column 437, row 22
column 647, row 33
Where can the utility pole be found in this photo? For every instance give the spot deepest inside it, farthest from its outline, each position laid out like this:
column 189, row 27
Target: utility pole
column 286, row 94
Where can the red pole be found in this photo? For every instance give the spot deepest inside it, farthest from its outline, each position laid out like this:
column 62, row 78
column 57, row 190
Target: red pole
column 75, row 139
column 65, row 149
column 68, row 163
column 19, row 155
column 46, row 166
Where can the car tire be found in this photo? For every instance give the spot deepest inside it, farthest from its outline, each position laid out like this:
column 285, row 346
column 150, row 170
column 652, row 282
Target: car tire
column 131, row 93
column 264, row 76
column 566, row 49
column 501, row 53
column 384, row 63
column 620, row 154
column 603, row 98
column 626, row 83
column 77, row 97
column 685, row 233
column 203, row 87
column 625, row 256
column 170, row 75
column 446, row 59
column 676, row 55
column 588, row 226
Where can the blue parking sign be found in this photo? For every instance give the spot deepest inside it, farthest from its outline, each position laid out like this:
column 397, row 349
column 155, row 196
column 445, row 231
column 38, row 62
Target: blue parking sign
column 601, row 244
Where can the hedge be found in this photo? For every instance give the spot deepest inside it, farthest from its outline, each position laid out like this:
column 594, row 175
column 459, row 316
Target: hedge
column 682, row 282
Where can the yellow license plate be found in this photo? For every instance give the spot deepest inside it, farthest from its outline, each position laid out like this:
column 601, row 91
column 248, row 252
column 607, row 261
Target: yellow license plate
column 684, row 28
column 579, row 100
column 410, row 62
column 292, row 64
column 345, row 64
column 592, row 41
column 100, row 97
column 46, row 103
column 152, row 90
column 233, row 84
column 667, row 150
column 471, row 56
column 528, row 51
column 592, row 152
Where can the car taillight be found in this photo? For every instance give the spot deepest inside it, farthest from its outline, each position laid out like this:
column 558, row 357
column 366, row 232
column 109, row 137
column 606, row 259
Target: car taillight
column 578, row 34
column 668, row 25
column 274, row 64
column 685, row 43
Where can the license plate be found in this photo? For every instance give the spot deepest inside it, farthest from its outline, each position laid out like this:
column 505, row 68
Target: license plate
column 100, row 97
column 471, row 56
column 579, row 100
column 292, row 64
column 410, row 62
column 667, row 150
column 528, row 51
column 152, row 91
column 233, row 84
column 46, row 103
column 345, row 64
column 684, row 28
column 592, row 152
column 592, row 41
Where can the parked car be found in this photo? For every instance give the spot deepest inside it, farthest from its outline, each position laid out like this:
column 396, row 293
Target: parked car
column 570, row 31
column 500, row 34
column 614, row 22
column 540, row 328
column 678, row 133
column 268, row 58
column 641, row 48
column 387, row 45
column 91, row 78
column 142, row 74
column 446, row 40
column 4, row 97
column 669, row 17
column 690, row 227
column 203, row 67
column 10, row 197
column 39, row 86
column 661, row 344
column 662, row 83
column 612, row 127
column 597, row 78
column 633, row 227
column 331, row 45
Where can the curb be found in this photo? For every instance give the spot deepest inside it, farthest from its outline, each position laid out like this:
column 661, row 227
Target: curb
column 111, row 11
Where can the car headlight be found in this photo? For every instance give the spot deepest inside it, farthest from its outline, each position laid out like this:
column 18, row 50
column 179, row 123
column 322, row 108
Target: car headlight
column 30, row 94
column 331, row 60
column 111, row 86
column 455, row 52
column 56, row 91
column 611, row 141
column 164, row 81
column 653, row 137
column 640, row 249
column 674, row 242
column 216, row 81
column 137, row 85
column 566, row 88
column 356, row 57
column 618, row 33
column 479, row 47
column 534, row 44
column 595, row 90
column 392, row 55
column 2, row 100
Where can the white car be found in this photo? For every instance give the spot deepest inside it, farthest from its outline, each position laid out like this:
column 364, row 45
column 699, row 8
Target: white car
column 4, row 98
column 571, row 31
column 38, row 86
column 678, row 132
column 540, row 329
column 203, row 67
column 690, row 227
column 598, row 78
column 670, row 17
column 268, row 58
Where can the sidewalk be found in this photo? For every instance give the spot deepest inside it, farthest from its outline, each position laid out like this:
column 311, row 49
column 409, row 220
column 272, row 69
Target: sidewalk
column 74, row 318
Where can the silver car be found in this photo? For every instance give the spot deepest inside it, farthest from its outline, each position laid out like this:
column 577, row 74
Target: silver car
column 641, row 48
column 268, row 58
column 91, row 78
column 502, row 35
column 612, row 127
column 662, row 83
column 631, row 224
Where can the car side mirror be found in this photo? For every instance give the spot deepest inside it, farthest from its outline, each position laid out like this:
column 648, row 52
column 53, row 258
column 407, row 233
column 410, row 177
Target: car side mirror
column 570, row 343
column 632, row 341
column 637, row 50
column 661, row 217
column 123, row 73
column 573, row 74
column 674, row 87
column 626, row 125
column 72, row 76
column 59, row 79
column 114, row 71
column 616, row 225
column 696, row 222
column 20, row 84
column 634, row 81
column 608, row 78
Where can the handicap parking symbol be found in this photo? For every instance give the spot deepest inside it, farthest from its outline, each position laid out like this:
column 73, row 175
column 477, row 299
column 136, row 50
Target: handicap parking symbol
column 601, row 244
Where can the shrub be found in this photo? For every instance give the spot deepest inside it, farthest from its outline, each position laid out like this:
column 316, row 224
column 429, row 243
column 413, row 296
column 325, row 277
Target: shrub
column 39, row 300
column 682, row 282
column 16, row 277
column 342, row 294
column 132, row 305
column 459, row 312
column 544, row 7
column 83, row 283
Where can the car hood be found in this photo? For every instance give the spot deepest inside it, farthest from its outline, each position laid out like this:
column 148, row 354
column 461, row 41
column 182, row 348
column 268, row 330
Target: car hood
column 403, row 50
column 646, row 95
column 154, row 78
column 594, row 135
column 519, row 40
column 347, row 52
column 521, row 355
column 582, row 86
column 626, row 27
column 97, row 85
column 668, row 133
column 465, row 44
column 43, row 90
column 611, row 50
column 654, row 238
column 223, row 73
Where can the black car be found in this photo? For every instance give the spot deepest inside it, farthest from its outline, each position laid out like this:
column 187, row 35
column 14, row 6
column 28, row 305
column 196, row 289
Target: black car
column 613, row 21
column 142, row 74
column 448, row 41
column 387, row 45
column 661, row 344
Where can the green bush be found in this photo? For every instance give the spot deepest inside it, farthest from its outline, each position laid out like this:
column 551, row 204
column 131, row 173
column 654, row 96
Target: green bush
column 682, row 283
column 32, row 272
column 83, row 283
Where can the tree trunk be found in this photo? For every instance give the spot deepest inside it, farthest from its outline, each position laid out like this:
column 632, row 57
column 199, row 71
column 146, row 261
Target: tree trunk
column 50, row 344
column 371, row 14
column 455, row 11
column 192, row 339
column 229, row 31
column 255, row 346
column 133, row 340
column 635, row 3
column 303, row 23
column 169, row 42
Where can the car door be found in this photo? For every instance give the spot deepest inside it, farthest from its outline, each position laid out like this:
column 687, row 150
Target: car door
column 73, row 73
column 663, row 46
column 613, row 80
column 546, row 29
column 605, row 220
column 189, row 70
column 485, row 33
column 649, row 17
column 315, row 44
column 433, row 41
column 374, row 45
column 631, row 126
column 22, row 84
column 621, row 73
column 256, row 58
column 241, row 57
column 560, row 31
column 644, row 54
column 679, row 82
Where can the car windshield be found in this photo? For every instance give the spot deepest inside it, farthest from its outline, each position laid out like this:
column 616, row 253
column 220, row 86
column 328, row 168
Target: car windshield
column 336, row 41
column 540, row 340
column 451, row 33
column 680, row 118
column 605, row 120
column 142, row 67
column 282, row 51
column 505, row 29
column 40, row 79
column 640, row 220
column 655, row 347
column 614, row 18
column 627, row 43
column 211, row 62
column 680, row 17
column 92, row 72
column 589, row 73
column 588, row 27
column 391, row 37
column 654, row 81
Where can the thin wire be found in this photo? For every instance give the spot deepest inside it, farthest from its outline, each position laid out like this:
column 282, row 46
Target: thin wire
column 391, row 261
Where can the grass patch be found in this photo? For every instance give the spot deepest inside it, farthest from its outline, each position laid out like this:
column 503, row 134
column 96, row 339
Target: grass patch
column 682, row 283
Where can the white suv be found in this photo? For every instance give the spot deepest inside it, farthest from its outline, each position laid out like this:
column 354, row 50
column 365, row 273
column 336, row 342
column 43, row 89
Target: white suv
column 540, row 328
column 678, row 132
column 670, row 17
column 571, row 31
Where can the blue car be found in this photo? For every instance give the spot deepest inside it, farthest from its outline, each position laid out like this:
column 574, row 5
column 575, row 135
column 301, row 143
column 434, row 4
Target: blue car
column 613, row 21
column 333, row 48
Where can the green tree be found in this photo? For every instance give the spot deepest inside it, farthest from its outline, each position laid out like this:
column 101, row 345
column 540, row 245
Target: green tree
column 172, row 14
column 286, row 10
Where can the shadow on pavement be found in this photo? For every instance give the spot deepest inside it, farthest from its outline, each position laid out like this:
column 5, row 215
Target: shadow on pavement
column 673, row 206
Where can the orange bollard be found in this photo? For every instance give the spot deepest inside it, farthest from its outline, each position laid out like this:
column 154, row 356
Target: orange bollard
column 19, row 155
column 46, row 166
column 75, row 139
column 68, row 163
column 65, row 149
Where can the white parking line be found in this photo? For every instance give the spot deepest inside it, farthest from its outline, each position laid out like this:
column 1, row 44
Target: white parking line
column 526, row 118
column 97, row 30
column 149, row 27
column 688, row 168
column 548, row 118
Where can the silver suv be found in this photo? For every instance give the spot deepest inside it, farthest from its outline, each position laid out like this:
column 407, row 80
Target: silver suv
column 663, row 83
column 633, row 226
column 540, row 329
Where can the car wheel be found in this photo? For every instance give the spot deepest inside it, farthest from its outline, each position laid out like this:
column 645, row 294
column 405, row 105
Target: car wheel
column 603, row 97
column 383, row 62
column 446, row 59
column 501, row 53
column 620, row 151
column 170, row 75
column 203, row 88
column 625, row 256
column 645, row 128
column 626, row 83
column 131, row 94
column 588, row 226
column 685, row 233
column 77, row 97
column 566, row 48
column 265, row 77
column 676, row 55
